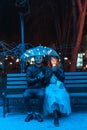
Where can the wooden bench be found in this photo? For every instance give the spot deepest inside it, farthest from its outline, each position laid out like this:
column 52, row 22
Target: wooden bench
column 15, row 86
column 75, row 83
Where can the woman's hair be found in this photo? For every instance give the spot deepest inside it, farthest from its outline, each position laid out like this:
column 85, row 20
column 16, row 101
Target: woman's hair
column 49, row 62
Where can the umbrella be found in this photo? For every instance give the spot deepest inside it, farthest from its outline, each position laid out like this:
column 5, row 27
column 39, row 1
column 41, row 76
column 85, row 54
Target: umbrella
column 39, row 51
column 35, row 51
column 51, row 52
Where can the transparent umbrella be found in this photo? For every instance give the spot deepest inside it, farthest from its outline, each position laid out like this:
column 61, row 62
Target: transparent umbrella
column 51, row 52
column 39, row 51
column 35, row 51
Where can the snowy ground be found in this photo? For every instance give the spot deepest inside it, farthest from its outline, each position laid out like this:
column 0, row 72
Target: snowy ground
column 15, row 121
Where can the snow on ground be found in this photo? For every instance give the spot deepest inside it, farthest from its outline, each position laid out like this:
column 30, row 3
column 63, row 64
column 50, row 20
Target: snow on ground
column 15, row 121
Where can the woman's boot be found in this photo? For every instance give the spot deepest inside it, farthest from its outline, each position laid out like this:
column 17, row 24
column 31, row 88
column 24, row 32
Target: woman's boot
column 56, row 118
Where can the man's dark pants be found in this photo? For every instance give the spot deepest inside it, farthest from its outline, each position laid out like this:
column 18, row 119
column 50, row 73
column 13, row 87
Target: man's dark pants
column 36, row 93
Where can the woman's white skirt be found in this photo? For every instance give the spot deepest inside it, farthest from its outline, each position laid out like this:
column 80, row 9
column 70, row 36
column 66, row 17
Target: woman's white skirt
column 56, row 98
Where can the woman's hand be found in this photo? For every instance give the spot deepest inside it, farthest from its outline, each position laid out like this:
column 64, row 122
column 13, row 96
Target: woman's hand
column 53, row 64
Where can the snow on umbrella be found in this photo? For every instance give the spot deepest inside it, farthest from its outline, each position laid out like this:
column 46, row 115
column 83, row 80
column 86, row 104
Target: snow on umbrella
column 35, row 51
column 39, row 51
column 51, row 52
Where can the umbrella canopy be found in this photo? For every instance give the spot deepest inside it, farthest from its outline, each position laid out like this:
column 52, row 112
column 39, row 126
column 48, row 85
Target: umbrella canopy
column 51, row 52
column 35, row 51
column 39, row 51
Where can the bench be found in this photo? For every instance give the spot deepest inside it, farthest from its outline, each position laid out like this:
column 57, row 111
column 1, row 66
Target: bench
column 15, row 86
column 75, row 83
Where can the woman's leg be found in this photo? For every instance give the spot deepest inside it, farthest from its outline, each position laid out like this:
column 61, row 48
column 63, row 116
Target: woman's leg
column 56, row 118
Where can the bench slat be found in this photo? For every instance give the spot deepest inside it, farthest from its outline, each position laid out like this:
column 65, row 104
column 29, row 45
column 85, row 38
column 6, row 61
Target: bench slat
column 16, row 74
column 14, row 96
column 75, row 73
column 16, row 82
column 78, row 94
column 75, row 77
column 75, row 81
column 16, row 78
column 17, row 87
column 75, row 85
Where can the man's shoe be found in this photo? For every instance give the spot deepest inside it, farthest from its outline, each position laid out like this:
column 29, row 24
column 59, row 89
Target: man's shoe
column 29, row 117
column 38, row 117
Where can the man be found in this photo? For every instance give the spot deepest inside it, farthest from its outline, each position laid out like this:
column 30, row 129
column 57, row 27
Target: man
column 36, row 77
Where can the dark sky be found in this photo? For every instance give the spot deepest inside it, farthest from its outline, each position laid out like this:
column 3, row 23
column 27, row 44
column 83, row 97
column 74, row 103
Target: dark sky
column 8, row 19
column 39, row 22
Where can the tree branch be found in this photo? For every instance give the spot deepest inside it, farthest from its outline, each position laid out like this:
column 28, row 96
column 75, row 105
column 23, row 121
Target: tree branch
column 79, row 5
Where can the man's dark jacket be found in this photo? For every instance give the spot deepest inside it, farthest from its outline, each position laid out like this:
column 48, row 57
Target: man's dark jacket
column 32, row 76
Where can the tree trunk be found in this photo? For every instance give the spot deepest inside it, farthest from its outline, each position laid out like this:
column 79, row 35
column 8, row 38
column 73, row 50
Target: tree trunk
column 79, row 37
column 74, row 21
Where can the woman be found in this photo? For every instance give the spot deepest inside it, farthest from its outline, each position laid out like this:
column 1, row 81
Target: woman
column 57, row 98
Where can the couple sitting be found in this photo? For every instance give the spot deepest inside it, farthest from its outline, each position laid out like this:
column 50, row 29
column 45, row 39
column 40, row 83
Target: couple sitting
column 46, row 84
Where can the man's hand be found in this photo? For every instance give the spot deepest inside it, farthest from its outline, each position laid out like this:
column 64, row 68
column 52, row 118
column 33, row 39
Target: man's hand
column 40, row 75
